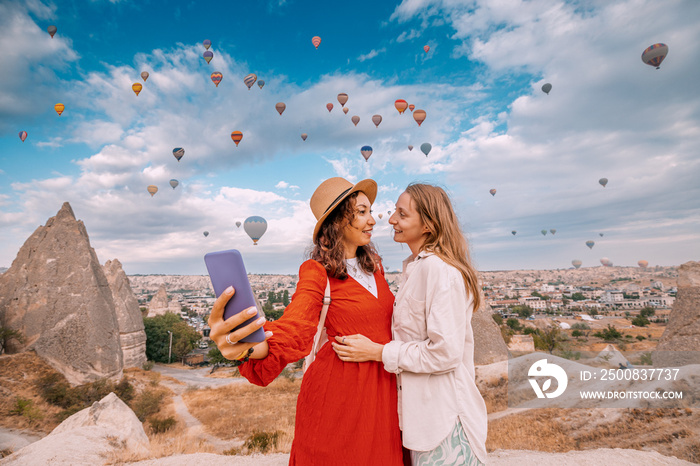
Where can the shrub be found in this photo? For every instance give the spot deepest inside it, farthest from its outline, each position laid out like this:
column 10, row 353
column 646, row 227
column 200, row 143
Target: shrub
column 147, row 403
column 577, row 333
column 53, row 388
column 580, row 326
column 148, row 365
column 262, row 441
column 497, row 318
column 640, row 321
column 529, row 331
column 641, row 337
column 513, row 323
column 609, row 334
column 158, row 425
column 25, row 407
column 124, row 390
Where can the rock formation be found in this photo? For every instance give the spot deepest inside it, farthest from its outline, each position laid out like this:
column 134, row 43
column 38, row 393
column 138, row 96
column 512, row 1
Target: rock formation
column 57, row 295
column 131, row 331
column 489, row 346
column 522, row 344
column 159, row 303
column 89, row 436
column 680, row 342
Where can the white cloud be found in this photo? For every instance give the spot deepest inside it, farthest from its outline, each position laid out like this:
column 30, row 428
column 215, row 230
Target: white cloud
column 371, row 54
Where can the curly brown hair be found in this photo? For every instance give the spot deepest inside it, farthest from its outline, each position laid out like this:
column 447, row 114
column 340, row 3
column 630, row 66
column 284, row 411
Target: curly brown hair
column 329, row 248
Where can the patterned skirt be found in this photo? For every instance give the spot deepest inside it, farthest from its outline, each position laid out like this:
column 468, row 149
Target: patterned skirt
column 454, row 450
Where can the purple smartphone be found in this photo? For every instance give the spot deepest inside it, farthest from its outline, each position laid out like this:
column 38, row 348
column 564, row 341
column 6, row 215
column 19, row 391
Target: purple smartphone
column 226, row 269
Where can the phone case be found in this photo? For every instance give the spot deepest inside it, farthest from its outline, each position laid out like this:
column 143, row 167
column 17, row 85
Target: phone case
column 226, row 269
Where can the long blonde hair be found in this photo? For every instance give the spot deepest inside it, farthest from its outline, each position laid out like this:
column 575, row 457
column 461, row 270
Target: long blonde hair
column 445, row 238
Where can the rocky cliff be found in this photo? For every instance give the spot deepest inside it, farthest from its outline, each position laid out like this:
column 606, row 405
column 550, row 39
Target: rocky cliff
column 489, row 346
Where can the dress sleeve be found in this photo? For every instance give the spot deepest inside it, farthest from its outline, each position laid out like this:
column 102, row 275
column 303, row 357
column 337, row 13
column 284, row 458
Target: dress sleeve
column 448, row 309
column 293, row 333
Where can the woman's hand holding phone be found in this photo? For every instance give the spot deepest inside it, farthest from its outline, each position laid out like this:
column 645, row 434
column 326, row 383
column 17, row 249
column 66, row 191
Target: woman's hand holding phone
column 221, row 328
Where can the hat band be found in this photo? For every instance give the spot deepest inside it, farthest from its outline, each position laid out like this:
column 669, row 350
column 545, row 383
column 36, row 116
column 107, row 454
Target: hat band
column 337, row 199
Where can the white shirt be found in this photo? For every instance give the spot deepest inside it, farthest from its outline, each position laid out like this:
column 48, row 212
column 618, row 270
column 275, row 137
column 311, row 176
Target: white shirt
column 433, row 354
column 363, row 278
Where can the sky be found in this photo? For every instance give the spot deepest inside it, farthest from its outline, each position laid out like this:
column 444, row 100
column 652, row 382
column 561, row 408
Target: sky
column 490, row 125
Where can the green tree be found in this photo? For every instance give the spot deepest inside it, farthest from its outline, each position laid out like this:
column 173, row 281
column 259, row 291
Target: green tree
column 609, row 334
column 578, row 296
column 647, row 311
column 640, row 321
column 497, row 318
column 215, row 356
column 523, row 310
column 592, row 312
column 549, row 339
column 285, row 298
column 7, row 334
column 158, row 339
column 513, row 323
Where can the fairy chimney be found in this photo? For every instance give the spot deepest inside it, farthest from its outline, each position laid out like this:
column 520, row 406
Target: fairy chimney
column 489, row 346
column 159, row 304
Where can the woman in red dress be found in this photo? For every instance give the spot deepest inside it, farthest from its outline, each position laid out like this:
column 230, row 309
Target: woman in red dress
column 346, row 412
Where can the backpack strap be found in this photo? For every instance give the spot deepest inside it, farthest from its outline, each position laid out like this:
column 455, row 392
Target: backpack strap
column 321, row 326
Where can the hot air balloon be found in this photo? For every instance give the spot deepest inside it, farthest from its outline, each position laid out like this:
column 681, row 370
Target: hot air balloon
column 493, row 191
column 366, row 151
column 401, row 105
column 410, row 147
column 261, row 83
column 316, row 40
column 304, row 136
column 178, row 152
column 23, row 135
column 419, row 116
column 136, row 87
column 376, row 119
column 207, row 44
column 590, row 244
column 342, row 98
column 576, row 263
column 388, row 212
column 426, row 48
column 206, row 233
column 655, row 54
column 425, row 148
column 208, row 55
column 216, row 78
column 380, row 216
column 643, row 264
column 346, row 110
column 411, row 107
column 52, row 30
column 513, row 232
column 552, row 230
column 59, row 108
column 144, row 75
column 152, row 189
column 236, row 136
column 250, row 79
column 544, row 232
column 329, row 106
column 606, row 262
column 600, row 234
column 603, row 181
column 355, row 119
column 280, row 107
column 546, row 87
column 174, row 183
column 238, row 224
column 255, row 227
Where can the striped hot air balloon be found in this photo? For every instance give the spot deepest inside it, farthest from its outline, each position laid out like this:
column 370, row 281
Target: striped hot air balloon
column 174, row 183
column 178, row 152
column 59, row 108
column 216, row 78
column 52, row 30
column 255, row 226
column 342, row 98
column 316, row 40
column 426, row 48
column 208, row 55
column 152, row 189
column 207, row 44
column 236, row 136
column 136, row 87
column 401, row 105
column 492, row 191
column 411, row 107
column 23, row 135
column 590, row 244
column 419, row 116
column 250, row 79
column 655, row 54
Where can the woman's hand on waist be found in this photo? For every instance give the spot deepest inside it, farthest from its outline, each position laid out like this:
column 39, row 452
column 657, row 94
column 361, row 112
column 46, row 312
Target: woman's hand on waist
column 357, row 348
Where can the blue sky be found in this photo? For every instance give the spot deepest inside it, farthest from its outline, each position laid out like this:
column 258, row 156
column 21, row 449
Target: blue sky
column 490, row 125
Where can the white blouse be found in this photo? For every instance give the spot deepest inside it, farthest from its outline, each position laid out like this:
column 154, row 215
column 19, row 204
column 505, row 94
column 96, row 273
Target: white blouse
column 432, row 353
column 363, row 278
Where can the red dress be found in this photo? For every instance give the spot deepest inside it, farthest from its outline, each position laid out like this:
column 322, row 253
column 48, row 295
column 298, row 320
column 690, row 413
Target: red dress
column 346, row 412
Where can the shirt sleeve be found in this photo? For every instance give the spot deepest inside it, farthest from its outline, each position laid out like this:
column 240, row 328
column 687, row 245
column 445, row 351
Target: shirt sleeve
column 293, row 333
column 447, row 310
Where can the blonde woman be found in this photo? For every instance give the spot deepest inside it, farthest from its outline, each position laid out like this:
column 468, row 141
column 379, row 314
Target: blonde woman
column 441, row 412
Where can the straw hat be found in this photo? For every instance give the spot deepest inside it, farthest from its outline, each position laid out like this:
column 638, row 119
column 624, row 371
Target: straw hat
column 332, row 192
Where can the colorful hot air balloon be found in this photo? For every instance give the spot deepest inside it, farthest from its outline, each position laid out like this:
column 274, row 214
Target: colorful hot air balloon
column 329, row 106
column 419, row 116
column 255, row 227
column 355, row 119
column 216, row 78
column 238, row 224
column 136, row 87
column 59, row 108
column 552, row 230
column 206, row 233
column 261, row 83
column 376, row 119
column 52, row 30
column 603, row 181
column 544, row 232
column 411, row 107
column 178, row 152
column 410, row 147
column 207, row 44
column 280, row 106
column 366, row 151
column 174, row 183
column 144, row 75
column 316, row 40
column 23, row 135
column 576, row 263
column 546, row 87
column 304, row 136
column 655, row 54
column 426, row 48
column 513, row 232
column 250, row 79
column 346, row 110
column 342, row 98
column 425, row 148
column 152, row 189
column 643, row 264
column 492, row 191
column 208, row 55
column 590, row 244
column 606, row 262
column 236, row 136
column 401, row 105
